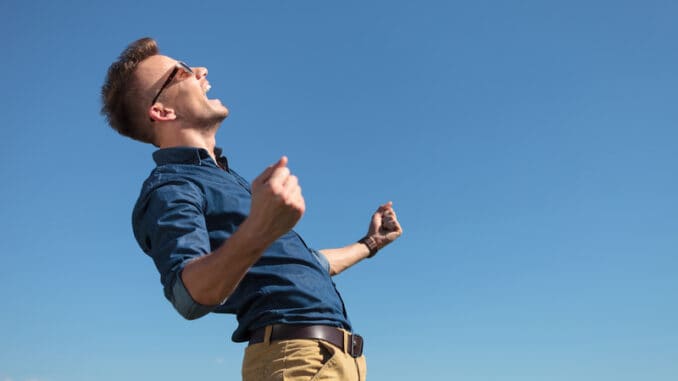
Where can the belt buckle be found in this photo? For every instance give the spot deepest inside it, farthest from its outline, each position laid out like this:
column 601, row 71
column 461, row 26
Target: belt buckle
column 355, row 343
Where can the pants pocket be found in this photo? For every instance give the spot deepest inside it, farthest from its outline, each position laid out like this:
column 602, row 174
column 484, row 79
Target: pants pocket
column 295, row 360
column 332, row 369
column 305, row 359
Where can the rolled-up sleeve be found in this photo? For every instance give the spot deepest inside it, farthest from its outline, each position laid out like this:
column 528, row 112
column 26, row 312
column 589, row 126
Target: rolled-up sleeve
column 169, row 225
column 324, row 262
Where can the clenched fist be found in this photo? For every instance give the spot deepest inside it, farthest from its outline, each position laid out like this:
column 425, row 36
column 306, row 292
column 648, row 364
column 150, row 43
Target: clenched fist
column 277, row 202
column 384, row 227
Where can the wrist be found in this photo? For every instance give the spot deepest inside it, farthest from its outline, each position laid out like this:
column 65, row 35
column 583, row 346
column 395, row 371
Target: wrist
column 371, row 244
column 253, row 237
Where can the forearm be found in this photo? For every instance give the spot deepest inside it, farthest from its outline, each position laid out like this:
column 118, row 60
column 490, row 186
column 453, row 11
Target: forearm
column 344, row 257
column 384, row 229
column 212, row 278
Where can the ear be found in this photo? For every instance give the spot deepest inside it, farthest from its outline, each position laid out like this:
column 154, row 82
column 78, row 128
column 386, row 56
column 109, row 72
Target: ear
column 158, row 112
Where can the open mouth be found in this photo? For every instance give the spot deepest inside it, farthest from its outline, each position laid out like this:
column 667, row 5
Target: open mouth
column 206, row 88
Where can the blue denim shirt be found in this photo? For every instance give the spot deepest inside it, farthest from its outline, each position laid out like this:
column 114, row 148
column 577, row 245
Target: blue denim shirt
column 188, row 207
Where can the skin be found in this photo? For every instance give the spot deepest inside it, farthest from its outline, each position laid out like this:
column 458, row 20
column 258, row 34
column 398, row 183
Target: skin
column 184, row 116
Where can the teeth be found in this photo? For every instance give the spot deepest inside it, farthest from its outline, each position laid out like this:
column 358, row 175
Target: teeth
column 207, row 88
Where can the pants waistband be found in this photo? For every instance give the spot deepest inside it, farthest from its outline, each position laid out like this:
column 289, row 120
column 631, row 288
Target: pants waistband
column 347, row 342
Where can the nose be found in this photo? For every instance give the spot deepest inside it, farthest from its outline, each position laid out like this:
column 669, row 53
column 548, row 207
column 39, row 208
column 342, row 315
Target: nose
column 200, row 72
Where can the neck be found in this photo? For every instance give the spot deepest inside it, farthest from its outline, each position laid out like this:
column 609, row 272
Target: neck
column 188, row 137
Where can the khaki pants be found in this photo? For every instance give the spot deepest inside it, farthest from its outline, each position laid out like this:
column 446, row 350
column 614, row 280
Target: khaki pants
column 301, row 360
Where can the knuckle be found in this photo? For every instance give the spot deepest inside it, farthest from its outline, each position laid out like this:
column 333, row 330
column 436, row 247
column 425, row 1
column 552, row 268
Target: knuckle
column 274, row 187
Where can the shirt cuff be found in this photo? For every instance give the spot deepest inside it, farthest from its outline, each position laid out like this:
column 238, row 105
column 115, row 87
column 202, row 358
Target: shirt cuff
column 184, row 303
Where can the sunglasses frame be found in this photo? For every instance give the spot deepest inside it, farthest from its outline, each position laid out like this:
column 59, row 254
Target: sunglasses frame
column 179, row 66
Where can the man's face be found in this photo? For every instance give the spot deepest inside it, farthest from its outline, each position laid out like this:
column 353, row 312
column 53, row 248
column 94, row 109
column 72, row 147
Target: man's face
column 185, row 94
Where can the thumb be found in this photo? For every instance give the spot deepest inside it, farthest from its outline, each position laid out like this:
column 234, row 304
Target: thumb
column 385, row 207
column 266, row 174
column 377, row 219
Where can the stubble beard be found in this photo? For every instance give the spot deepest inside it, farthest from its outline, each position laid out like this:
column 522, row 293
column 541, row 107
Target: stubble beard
column 212, row 121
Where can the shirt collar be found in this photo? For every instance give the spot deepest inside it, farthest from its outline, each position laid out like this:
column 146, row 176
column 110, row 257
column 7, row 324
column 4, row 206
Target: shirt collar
column 188, row 155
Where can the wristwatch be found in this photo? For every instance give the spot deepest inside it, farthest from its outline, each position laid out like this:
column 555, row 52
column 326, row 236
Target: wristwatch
column 371, row 244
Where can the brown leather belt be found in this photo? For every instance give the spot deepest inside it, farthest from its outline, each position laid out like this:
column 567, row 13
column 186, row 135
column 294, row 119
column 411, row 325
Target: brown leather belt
column 333, row 335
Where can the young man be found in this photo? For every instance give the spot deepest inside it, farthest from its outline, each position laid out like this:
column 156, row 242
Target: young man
column 223, row 245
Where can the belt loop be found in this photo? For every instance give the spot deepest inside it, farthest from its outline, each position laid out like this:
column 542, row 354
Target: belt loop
column 267, row 334
column 346, row 339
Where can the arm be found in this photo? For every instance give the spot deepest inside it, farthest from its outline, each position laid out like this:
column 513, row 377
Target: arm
column 384, row 229
column 277, row 205
column 170, row 226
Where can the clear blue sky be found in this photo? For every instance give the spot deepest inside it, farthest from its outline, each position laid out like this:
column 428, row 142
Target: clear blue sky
column 529, row 148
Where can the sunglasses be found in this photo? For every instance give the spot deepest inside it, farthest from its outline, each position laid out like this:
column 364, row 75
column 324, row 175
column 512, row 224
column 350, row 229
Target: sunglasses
column 180, row 66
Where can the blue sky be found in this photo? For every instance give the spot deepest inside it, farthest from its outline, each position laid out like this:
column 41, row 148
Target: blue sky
column 529, row 149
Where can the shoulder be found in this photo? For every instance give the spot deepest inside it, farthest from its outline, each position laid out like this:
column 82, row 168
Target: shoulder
column 164, row 190
column 166, row 201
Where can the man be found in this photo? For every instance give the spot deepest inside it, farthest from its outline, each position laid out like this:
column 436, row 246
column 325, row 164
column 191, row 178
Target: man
column 224, row 246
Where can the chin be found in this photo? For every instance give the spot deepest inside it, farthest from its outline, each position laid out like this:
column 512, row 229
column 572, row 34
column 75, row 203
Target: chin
column 219, row 114
column 218, row 107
